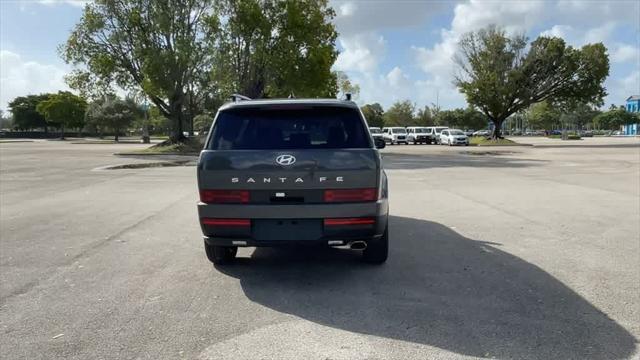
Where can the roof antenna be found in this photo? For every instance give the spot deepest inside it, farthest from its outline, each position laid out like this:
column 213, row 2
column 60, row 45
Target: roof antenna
column 291, row 95
column 347, row 96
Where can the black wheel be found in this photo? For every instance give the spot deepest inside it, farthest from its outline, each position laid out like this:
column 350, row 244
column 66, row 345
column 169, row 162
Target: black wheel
column 377, row 249
column 220, row 255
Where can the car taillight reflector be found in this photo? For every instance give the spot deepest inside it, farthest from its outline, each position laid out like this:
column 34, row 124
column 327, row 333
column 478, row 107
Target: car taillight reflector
column 224, row 196
column 349, row 221
column 226, row 222
column 351, row 195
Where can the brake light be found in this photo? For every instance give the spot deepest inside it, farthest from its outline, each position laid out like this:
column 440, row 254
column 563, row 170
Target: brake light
column 224, row 196
column 351, row 195
column 225, row 222
column 349, row 221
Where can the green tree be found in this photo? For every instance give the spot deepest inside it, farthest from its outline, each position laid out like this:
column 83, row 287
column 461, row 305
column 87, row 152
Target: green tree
column 63, row 108
column 543, row 115
column 202, row 122
column 277, row 48
column 5, row 121
column 113, row 113
column 25, row 116
column 346, row 86
column 374, row 114
column 501, row 76
column 614, row 118
column 473, row 119
column 451, row 118
column 424, row 117
column 158, row 47
column 579, row 116
column 400, row 114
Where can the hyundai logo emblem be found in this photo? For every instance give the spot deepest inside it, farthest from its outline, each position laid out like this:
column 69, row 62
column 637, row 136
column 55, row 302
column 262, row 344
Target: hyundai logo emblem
column 286, row 159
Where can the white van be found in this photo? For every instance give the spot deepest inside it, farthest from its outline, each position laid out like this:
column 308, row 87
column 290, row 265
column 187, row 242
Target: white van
column 395, row 135
column 419, row 135
column 434, row 132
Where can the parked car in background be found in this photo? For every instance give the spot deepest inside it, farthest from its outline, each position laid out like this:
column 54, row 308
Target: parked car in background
column 469, row 132
column 419, row 135
column 481, row 133
column 453, row 137
column 586, row 133
column 434, row 132
column 376, row 133
column 395, row 135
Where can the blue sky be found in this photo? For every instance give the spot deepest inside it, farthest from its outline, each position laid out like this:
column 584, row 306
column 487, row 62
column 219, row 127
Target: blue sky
column 394, row 50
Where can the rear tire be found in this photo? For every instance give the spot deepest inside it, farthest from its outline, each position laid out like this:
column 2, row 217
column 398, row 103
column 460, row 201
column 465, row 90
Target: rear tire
column 377, row 250
column 220, row 255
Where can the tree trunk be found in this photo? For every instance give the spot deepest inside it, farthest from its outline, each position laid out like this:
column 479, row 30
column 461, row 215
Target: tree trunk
column 145, row 129
column 497, row 129
column 116, row 138
column 62, row 133
column 176, row 135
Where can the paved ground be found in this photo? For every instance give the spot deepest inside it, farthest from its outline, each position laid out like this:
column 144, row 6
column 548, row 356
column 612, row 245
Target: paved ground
column 519, row 252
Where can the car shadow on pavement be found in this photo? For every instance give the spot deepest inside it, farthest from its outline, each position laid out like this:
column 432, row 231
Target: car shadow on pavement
column 398, row 161
column 438, row 288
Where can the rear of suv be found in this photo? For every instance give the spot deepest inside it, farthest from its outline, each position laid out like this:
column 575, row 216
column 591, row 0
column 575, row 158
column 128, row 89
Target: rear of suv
column 290, row 172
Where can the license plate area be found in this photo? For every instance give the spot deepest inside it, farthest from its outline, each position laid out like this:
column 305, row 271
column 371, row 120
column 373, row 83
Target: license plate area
column 287, row 229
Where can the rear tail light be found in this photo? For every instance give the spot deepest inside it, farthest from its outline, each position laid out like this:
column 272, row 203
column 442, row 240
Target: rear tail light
column 225, row 222
column 351, row 195
column 224, row 196
column 349, row 221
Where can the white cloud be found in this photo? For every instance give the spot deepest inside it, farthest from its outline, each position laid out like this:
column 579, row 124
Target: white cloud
column 19, row 77
column 363, row 48
column 599, row 33
column 578, row 22
column 624, row 53
column 621, row 88
column 397, row 78
column 78, row 3
column 360, row 52
column 355, row 17
column 631, row 83
column 578, row 37
column 561, row 31
column 512, row 15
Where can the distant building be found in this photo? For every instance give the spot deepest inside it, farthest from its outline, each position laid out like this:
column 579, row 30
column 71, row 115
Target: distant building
column 633, row 106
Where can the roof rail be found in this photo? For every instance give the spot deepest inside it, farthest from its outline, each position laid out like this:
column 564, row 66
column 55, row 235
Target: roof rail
column 238, row 97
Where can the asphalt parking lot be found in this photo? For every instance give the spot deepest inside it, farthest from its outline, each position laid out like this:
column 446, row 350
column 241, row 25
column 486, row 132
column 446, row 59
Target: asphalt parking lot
column 528, row 252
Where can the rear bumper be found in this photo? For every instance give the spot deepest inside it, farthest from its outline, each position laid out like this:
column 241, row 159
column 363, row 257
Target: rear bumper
column 248, row 237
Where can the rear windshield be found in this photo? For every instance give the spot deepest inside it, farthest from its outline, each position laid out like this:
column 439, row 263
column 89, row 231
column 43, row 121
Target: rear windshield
column 280, row 128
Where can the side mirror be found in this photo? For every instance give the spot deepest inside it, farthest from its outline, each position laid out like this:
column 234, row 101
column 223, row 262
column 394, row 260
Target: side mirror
column 380, row 143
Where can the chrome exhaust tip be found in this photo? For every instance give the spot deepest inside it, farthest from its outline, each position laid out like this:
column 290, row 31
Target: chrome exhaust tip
column 358, row 245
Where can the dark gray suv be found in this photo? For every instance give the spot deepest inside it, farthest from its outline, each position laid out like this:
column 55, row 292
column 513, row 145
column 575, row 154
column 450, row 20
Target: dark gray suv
column 285, row 172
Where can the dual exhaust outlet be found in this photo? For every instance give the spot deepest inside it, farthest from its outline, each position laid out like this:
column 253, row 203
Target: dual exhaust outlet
column 353, row 245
